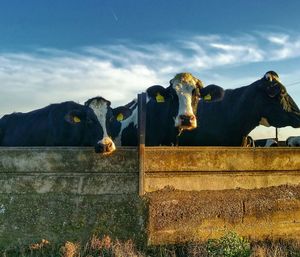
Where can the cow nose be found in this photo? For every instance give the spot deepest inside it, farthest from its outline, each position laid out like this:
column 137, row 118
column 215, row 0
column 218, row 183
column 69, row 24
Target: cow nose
column 187, row 120
column 105, row 148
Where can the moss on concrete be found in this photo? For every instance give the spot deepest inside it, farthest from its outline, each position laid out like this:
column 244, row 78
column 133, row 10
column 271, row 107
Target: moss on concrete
column 28, row 218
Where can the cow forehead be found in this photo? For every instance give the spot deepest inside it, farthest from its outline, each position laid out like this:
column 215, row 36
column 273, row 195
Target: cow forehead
column 100, row 104
column 185, row 79
column 272, row 76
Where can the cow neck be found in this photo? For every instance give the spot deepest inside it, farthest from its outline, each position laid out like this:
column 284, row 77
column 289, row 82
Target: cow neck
column 132, row 119
column 241, row 103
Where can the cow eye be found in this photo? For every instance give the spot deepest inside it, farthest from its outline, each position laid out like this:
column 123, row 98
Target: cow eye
column 273, row 90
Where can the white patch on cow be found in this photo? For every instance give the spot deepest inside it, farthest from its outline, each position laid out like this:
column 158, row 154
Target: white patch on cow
column 134, row 102
column 270, row 142
column 263, row 121
column 270, row 77
column 132, row 119
column 184, row 84
column 100, row 109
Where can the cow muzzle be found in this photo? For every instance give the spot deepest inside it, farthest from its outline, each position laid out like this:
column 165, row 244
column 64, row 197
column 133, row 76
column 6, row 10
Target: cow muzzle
column 187, row 122
column 106, row 147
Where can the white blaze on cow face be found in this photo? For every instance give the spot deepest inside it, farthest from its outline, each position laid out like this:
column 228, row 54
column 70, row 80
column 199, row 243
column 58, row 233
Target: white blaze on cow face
column 185, row 86
column 100, row 107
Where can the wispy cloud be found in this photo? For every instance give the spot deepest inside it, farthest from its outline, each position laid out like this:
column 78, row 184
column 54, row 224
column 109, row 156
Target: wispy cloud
column 118, row 72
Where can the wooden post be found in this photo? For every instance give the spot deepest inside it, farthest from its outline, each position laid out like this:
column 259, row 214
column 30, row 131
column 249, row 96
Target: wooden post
column 141, row 135
column 276, row 134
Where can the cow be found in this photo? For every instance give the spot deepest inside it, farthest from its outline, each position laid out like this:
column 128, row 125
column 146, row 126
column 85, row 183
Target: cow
column 268, row 142
column 123, row 112
column 102, row 109
column 160, row 118
column 61, row 124
column 293, row 141
column 248, row 141
column 167, row 108
column 228, row 121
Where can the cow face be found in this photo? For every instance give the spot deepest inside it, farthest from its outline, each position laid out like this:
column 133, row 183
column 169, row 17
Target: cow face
column 104, row 114
column 278, row 107
column 87, row 123
column 186, row 89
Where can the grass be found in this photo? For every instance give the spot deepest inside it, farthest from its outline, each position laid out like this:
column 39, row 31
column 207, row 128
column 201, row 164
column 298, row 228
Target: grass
column 230, row 245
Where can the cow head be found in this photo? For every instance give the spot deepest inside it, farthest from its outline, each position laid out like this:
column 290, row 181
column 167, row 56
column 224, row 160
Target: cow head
column 88, row 125
column 121, row 113
column 278, row 108
column 104, row 114
column 186, row 90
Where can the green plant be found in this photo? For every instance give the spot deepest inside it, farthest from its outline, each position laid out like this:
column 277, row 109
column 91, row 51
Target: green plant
column 230, row 245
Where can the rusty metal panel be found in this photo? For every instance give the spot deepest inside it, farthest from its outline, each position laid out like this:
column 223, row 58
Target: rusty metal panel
column 220, row 159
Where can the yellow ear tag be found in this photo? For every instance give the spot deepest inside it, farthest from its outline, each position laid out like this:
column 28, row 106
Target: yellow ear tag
column 159, row 98
column 76, row 119
column 207, row 97
column 120, row 117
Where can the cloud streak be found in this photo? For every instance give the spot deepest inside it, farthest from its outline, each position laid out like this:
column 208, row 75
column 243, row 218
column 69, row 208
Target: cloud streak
column 118, row 72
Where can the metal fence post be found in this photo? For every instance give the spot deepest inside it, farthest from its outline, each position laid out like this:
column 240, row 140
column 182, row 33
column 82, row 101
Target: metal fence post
column 141, row 135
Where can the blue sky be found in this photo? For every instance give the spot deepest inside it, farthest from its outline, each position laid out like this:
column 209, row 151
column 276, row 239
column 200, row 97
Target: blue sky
column 58, row 50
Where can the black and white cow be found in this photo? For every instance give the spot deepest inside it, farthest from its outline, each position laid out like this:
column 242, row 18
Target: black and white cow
column 104, row 113
column 160, row 117
column 268, row 142
column 293, row 141
column 228, row 121
column 167, row 108
column 62, row 124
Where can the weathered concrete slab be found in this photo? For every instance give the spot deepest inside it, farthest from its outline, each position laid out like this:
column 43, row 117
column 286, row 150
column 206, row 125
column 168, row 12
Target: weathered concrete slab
column 217, row 168
column 58, row 217
column 63, row 194
column 179, row 216
column 72, row 183
column 198, row 159
column 66, row 159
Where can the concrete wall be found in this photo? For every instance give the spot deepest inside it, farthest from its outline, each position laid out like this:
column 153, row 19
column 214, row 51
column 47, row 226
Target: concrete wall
column 64, row 194
column 219, row 168
column 68, row 194
column 252, row 191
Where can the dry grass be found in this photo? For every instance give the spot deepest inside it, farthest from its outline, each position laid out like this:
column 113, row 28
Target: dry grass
column 279, row 248
column 106, row 247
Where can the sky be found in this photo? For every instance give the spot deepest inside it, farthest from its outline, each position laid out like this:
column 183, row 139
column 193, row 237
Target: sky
column 58, row 50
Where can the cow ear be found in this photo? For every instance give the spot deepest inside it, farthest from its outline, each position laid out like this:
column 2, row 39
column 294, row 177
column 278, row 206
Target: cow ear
column 199, row 84
column 74, row 117
column 158, row 93
column 121, row 113
column 212, row 93
column 271, row 76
